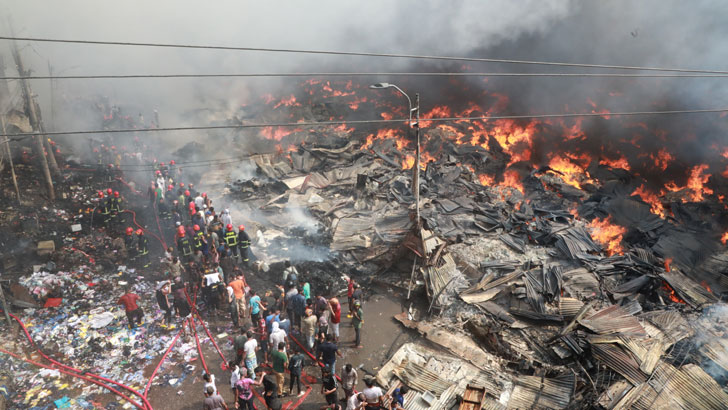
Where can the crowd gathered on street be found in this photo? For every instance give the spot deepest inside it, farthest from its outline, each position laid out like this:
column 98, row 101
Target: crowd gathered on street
column 279, row 330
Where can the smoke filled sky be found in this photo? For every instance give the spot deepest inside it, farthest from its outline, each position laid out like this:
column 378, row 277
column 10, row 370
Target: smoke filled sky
column 648, row 33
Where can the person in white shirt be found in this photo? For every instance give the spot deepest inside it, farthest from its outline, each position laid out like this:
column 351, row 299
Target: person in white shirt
column 372, row 394
column 234, row 373
column 277, row 335
column 250, row 348
column 355, row 402
column 209, row 381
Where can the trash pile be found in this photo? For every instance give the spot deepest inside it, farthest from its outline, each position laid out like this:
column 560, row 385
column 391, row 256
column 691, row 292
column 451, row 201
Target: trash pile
column 86, row 329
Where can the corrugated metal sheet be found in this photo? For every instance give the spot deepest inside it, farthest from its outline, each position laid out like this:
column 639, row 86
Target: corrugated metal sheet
column 688, row 289
column 421, row 378
column 717, row 351
column 438, row 278
column 569, row 307
column 537, row 392
column 619, row 361
column 688, row 387
column 414, row 401
column 614, row 319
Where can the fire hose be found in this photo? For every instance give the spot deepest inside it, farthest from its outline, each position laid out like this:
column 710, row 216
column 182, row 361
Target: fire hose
column 78, row 373
column 169, row 349
column 133, row 217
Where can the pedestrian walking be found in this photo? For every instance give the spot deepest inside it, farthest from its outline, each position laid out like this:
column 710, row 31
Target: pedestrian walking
column 134, row 313
column 280, row 363
column 349, row 377
column 327, row 353
column 295, row 366
column 162, row 295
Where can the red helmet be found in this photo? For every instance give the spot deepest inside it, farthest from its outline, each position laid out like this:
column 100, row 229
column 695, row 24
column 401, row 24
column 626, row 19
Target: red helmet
column 96, row 150
column 181, row 231
column 241, row 227
column 159, row 172
column 191, row 206
column 116, row 194
column 229, row 227
column 101, row 194
column 111, row 165
column 171, row 162
column 109, row 191
column 129, row 230
column 161, row 164
column 187, row 193
column 113, row 147
column 170, row 187
column 196, row 227
column 140, row 232
column 204, row 194
column 181, row 184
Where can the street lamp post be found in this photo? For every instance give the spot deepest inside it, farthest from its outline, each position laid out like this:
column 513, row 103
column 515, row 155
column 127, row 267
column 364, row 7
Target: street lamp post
column 416, row 125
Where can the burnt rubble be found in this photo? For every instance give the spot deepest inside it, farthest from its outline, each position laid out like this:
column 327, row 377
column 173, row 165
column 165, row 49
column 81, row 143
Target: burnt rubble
column 516, row 279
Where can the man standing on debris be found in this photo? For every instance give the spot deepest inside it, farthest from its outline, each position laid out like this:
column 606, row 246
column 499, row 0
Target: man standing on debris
column 231, row 239
column 213, row 401
column 244, row 245
column 115, row 207
column 327, row 353
column 280, row 362
column 238, row 286
column 133, row 312
column 356, row 322
column 349, row 378
column 184, row 247
column 130, row 244
column 143, row 249
column 373, row 395
column 162, row 295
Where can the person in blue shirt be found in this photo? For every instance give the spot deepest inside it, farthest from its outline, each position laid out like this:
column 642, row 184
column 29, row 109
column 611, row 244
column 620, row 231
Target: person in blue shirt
column 255, row 306
column 398, row 398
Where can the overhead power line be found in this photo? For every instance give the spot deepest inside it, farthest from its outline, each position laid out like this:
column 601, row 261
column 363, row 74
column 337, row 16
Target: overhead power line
column 400, row 74
column 355, row 122
column 361, row 54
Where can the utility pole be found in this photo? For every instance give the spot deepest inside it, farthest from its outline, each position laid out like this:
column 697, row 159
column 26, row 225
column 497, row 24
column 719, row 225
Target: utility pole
column 5, row 306
column 416, row 177
column 49, row 149
column 10, row 157
column 35, row 123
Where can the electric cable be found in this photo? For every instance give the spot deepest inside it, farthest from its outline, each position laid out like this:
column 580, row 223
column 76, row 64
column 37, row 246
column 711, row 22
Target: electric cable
column 381, row 121
column 359, row 54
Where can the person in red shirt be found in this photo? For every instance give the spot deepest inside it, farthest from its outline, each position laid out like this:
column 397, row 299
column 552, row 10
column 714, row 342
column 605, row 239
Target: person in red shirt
column 335, row 308
column 134, row 313
column 350, row 295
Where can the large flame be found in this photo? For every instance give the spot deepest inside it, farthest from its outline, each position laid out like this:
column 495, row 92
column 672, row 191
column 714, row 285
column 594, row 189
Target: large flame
column 608, row 234
column 652, row 199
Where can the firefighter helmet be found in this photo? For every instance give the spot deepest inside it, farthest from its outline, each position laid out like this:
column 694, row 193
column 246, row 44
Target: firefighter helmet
column 129, row 230
column 109, row 191
column 241, row 227
column 171, row 162
column 139, row 232
column 116, row 194
column 101, row 194
column 196, row 227
column 187, row 193
column 229, row 227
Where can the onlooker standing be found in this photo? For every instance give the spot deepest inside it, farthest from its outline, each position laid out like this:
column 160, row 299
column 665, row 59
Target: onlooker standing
column 250, row 348
column 298, row 302
column 398, row 398
column 270, row 388
column 356, row 323
column 255, row 306
column 162, row 295
column 295, row 366
column 327, row 353
column 238, row 286
column 213, row 401
column 356, row 402
column 244, row 389
column 308, row 329
column 239, row 344
column 328, row 388
column 133, row 312
column 335, row 320
column 350, row 294
column 373, row 395
column 280, row 362
column 209, row 382
column 349, row 378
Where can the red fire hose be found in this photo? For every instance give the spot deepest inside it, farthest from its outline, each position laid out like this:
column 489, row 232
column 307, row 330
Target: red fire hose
column 69, row 373
column 224, row 363
column 199, row 348
column 169, row 349
column 71, row 369
column 129, row 186
column 133, row 217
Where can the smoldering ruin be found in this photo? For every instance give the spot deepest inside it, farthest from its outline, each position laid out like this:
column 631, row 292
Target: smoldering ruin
column 570, row 261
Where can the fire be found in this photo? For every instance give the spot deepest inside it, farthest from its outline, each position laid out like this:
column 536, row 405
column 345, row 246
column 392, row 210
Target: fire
column 608, row 234
column 662, row 159
column 289, row 101
column 330, row 92
column 343, row 128
column 513, row 180
column 515, row 140
column 486, row 180
column 277, row 133
column 408, row 162
column 697, row 181
column 619, row 163
column 724, row 238
column 706, row 286
column 671, row 293
column 383, row 134
column 695, row 184
column 440, row 111
column 571, row 172
column 354, row 105
column 652, row 199
column 426, row 158
column 386, row 115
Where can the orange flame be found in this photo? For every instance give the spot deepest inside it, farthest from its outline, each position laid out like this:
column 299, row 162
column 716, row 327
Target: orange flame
column 652, row 199
column 706, row 286
column 486, row 180
column 277, row 133
column 289, row 101
column 671, row 293
column 662, row 159
column 408, row 162
column 513, row 180
column 383, row 134
column 608, row 234
column 440, row 111
column 724, row 238
column 695, row 184
column 619, row 163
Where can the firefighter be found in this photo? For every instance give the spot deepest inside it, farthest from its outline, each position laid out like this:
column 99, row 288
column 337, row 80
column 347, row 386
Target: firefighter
column 115, row 208
column 231, row 239
column 244, row 244
column 143, row 249
column 184, row 247
column 163, row 210
column 103, row 206
column 199, row 240
column 131, row 245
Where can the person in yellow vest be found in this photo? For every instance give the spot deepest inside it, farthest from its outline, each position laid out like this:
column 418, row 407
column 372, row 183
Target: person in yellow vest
column 231, row 239
column 143, row 249
column 184, row 247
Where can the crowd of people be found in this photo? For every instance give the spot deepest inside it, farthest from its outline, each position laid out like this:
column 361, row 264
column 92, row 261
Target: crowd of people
column 279, row 329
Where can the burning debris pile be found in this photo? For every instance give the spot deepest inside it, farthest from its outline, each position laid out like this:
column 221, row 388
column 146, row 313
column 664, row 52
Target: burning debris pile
column 572, row 279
